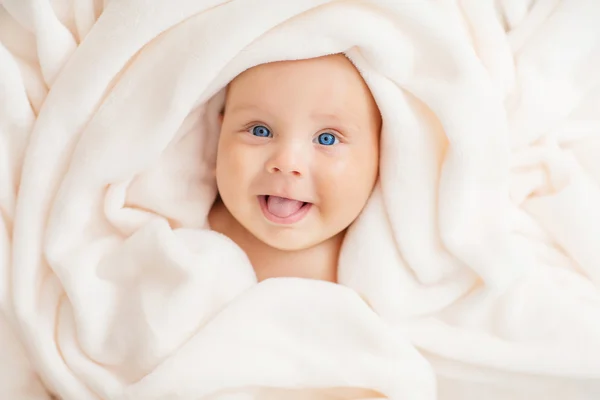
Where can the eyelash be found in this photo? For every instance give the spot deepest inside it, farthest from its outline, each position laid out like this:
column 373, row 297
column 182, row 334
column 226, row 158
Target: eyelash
column 252, row 127
column 336, row 137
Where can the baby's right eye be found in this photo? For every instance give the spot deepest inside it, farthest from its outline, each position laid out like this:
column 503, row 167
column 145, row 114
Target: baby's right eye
column 260, row 131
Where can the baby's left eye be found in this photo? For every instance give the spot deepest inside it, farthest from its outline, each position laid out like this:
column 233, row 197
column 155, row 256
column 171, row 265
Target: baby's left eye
column 261, row 131
column 327, row 139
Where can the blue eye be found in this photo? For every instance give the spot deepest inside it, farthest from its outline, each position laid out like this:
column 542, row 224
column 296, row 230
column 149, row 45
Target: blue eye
column 261, row 131
column 327, row 139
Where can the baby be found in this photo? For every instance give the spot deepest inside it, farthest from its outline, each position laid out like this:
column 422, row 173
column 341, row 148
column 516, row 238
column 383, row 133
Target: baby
column 297, row 160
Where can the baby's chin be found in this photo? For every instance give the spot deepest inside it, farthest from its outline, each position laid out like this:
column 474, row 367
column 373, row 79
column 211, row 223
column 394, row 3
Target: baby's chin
column 292, row 240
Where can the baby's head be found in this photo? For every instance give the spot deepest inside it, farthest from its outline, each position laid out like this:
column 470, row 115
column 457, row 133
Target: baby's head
column 298, row 152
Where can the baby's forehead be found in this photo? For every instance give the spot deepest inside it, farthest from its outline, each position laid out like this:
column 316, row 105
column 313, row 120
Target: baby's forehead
column 326, row 79
column 323, row 70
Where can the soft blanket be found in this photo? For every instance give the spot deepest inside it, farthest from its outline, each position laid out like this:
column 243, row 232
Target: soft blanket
column 473, row 272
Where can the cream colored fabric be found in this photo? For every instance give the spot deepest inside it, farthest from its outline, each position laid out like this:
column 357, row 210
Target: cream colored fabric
column 479, row 251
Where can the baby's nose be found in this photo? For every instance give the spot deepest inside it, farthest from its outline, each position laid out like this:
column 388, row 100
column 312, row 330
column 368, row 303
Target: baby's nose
column 292, row 171
column 288, row 159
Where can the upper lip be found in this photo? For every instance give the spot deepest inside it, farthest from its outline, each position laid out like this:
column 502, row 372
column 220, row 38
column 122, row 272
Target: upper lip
column 286, row 196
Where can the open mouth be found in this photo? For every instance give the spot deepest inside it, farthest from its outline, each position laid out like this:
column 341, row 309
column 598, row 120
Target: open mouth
column 281, row 210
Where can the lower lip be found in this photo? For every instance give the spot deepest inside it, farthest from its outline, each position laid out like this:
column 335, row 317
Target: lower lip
column 295, row 217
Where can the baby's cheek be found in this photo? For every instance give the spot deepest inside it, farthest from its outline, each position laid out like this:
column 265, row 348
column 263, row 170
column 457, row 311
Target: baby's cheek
column 340, row 205
column 360, row 186
column 227, row 172
column 233, row 159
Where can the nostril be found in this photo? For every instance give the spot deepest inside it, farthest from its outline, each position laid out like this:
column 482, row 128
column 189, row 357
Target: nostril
column 274, row 169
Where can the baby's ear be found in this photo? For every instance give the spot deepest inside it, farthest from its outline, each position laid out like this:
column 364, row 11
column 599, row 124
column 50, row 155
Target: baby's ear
column 221, row 115
column 224, row 104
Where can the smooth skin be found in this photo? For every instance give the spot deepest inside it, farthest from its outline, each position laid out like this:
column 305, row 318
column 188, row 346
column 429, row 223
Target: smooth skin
column 306, row 130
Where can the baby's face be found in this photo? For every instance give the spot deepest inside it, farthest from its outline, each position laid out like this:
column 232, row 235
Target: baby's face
column 298, row 151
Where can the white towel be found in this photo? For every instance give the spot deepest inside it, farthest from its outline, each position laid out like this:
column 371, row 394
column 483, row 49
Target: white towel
column 478, row 254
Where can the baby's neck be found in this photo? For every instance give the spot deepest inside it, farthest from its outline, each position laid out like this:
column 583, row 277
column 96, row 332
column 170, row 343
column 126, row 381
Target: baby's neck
column 317, row 262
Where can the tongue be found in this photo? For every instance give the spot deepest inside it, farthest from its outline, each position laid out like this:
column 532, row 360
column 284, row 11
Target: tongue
column 282, row 207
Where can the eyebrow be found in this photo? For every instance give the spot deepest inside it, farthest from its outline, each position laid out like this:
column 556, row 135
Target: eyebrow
column 344, row 122
column 245, row 107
